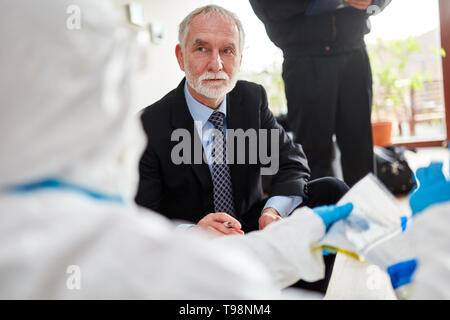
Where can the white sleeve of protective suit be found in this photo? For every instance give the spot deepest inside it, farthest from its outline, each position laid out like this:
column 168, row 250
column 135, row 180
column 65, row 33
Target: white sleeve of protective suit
column 286, row 247
column 429, row 233
column 57, row 245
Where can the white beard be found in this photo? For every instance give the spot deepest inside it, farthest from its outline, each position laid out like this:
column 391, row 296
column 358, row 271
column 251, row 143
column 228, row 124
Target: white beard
column 209, row 91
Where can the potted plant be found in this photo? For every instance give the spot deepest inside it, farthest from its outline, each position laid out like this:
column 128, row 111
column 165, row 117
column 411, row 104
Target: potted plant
column 392, row 85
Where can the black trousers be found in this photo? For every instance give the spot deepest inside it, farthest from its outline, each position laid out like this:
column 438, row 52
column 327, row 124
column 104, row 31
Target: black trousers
column 322, row 191
column 327, row 95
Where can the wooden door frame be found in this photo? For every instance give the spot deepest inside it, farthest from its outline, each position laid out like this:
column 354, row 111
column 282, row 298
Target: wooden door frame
column 444, row 13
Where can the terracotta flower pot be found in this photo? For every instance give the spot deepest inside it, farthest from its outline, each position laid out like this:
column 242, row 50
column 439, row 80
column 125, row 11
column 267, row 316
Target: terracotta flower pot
column 381, row 133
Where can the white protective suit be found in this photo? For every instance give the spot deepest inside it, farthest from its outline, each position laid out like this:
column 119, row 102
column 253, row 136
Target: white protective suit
column 66, row 116
column 430, row 235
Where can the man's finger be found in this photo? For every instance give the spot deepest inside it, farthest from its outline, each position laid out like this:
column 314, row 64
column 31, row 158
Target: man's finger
column 233, row 227
column 214, row 231
column 271, row 215
column 225, row 217
column 267, row 219
column 225, row 230
column 233, row 230
column 359, row 4
column 262, row 223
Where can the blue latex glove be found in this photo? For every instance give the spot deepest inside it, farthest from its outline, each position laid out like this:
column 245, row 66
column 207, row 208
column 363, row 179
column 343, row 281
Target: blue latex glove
column 401, row 273
column 333, row 213
column 432, row 188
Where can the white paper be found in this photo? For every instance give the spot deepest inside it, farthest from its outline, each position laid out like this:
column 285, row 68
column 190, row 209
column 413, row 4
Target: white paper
column 376, row 216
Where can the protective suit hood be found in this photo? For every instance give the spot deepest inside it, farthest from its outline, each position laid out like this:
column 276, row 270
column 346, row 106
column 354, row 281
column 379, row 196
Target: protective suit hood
column 76, row 129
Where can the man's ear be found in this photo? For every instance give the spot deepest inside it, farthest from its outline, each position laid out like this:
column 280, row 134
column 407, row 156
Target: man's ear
column 179, row 54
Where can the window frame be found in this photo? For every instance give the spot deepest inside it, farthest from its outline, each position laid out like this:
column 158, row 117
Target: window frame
column 444, row 13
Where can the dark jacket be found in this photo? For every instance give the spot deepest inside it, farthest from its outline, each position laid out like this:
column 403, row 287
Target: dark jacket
column 185, row 191
column 296, row 34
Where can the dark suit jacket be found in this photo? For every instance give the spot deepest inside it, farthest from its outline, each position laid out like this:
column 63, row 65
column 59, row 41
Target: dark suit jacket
column 185, row 191
column 297, row 34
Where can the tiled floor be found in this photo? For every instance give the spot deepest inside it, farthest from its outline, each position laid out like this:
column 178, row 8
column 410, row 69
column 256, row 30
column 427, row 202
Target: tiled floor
column 352, row 279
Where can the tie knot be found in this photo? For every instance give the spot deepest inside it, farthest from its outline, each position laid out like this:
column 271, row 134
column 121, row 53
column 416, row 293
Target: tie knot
column 216, row 119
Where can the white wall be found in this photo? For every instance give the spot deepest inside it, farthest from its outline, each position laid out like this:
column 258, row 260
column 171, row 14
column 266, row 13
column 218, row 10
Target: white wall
column 159, row 70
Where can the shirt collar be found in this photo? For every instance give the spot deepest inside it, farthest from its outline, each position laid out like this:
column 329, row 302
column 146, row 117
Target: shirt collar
column 200, row 112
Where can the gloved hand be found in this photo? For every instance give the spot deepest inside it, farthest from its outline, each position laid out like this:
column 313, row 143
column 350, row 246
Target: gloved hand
column 333, row 213
column 432, row 188
column 401, row 273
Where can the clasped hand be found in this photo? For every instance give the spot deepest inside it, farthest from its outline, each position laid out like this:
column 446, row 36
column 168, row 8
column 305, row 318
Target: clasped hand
column 220, row 223
column 359, row 4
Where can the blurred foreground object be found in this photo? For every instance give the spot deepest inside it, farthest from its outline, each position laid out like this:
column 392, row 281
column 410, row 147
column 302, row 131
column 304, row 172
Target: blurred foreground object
column 428, row 230
column 69, row 146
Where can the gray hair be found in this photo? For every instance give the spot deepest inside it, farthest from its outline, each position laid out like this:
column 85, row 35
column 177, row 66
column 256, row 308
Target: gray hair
column 208, row 10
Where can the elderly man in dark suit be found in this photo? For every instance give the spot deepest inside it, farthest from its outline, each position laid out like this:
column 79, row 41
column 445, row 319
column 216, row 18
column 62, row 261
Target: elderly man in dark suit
column 226, row 196
column 219, row 193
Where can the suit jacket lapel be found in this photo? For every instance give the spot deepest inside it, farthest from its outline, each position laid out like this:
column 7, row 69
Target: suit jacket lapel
column 181, row 118
column 237, row 119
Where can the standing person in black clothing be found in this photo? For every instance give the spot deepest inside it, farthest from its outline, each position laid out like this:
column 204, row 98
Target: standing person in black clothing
column 327, row 75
